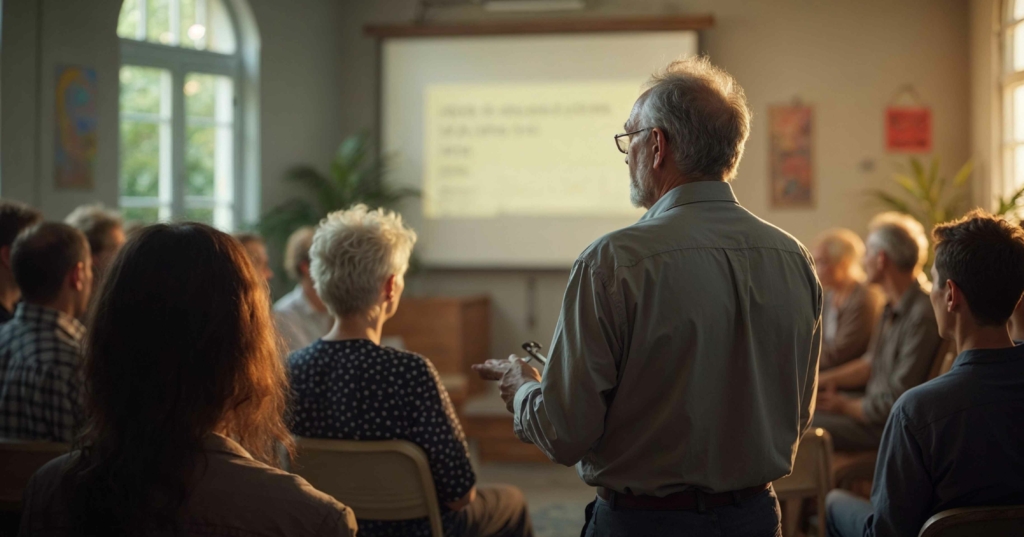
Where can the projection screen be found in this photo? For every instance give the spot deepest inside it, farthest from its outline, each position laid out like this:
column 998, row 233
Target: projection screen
column 509, row 138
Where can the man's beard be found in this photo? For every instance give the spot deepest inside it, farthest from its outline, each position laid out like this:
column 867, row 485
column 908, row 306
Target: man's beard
column 641, row 191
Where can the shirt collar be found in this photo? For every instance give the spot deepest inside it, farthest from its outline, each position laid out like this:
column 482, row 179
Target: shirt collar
column 989, row 356
column 50, row 318
column 906, row 300
column 695, row 192
column 222, row 444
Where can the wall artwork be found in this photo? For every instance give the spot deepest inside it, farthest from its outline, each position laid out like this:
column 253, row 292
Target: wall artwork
column 75, row 114
column 908, row 129
column 792, row 170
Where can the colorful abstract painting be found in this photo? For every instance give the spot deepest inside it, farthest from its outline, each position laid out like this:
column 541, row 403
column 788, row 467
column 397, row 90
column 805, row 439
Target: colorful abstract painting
column 75, row 114
column 792, row 169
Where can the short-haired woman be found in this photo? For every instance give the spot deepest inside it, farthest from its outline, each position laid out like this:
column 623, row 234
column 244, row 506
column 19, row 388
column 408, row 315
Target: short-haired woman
column 186, row 396
column 852, row 307
column 349, row 387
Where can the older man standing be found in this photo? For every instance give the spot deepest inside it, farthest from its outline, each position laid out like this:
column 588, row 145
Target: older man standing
column 683, row 367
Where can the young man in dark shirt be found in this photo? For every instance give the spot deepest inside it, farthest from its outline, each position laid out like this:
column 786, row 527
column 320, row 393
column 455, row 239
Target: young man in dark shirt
column 955, row 441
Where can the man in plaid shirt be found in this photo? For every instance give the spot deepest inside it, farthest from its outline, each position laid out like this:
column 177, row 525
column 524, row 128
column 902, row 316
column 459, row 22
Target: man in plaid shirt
column 41, row 348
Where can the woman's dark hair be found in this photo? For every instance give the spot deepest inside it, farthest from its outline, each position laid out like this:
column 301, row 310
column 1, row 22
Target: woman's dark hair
column 180, row 345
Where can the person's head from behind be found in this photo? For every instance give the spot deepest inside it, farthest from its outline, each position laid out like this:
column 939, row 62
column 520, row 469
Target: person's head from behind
column 359, row 259
column 181, row 345
column 14, row 218
column 53, row 268
column 897, row 247
column 837, row 258
column 977, row 274
column 689, row 125
column 256, row 248
column 105, row 231
column 296, row 254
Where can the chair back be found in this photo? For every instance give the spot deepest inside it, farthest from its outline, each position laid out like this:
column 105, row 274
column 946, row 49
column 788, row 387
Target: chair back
column 379, row 480
column 973, row 521
column 943, row 360
column 19, row 459
column 812, row 473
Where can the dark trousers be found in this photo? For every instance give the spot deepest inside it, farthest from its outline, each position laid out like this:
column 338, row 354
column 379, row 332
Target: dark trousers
column 847, row 433
column 756, row 516
column 497, row 511
column 847, row 514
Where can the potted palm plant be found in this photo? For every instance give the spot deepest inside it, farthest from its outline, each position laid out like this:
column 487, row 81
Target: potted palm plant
column 355, row 175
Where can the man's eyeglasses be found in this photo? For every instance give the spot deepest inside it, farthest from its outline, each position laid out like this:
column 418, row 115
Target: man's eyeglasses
column 622, row 140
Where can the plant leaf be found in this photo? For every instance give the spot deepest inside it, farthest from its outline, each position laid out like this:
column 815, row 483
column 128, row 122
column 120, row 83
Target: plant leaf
column 961, row 177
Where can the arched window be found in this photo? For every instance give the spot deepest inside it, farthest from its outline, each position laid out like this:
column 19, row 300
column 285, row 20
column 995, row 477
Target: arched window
column 182, row 147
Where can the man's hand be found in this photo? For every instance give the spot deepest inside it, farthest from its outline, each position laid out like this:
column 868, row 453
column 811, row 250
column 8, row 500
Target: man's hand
column 829, row 400
column 513, row 373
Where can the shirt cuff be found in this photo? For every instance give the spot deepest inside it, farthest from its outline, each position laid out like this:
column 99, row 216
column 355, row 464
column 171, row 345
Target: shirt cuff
column 522, row 394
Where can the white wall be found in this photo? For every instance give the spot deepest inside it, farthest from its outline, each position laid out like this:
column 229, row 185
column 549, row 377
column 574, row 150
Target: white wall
column 300, row 80
column 846, row 59
column 318, row 83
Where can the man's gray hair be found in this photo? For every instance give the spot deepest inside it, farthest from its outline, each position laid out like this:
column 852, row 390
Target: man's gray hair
column 96, row 222
column 704, row 114
column 902, row 238
column 353, row 254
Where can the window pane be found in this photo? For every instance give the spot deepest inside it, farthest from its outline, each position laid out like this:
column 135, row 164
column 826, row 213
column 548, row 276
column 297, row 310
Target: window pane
column 158, row 21
column 193, row 29
column 146, row 215
column 209, row 124
column 199, row 214
column 1018, row 166
column 1018, row 114
column 1018, row 10
column 128, row 21
column 142, row 89
column 1018, row 48
column 145, row 135
column 220, row 34
column 140, row 159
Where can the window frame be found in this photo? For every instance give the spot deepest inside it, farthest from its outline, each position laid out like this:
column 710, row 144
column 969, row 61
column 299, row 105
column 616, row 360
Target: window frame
column 180, row 62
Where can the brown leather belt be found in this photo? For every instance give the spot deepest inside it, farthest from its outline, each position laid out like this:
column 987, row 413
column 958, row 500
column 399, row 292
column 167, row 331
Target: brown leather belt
column 688, row 500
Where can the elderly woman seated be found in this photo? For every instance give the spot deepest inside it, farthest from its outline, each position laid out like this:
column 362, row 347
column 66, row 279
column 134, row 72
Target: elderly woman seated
column 852, row 307
column 349, row 387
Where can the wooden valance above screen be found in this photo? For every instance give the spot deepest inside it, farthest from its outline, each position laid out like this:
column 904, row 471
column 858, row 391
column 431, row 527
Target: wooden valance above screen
column 546, row 26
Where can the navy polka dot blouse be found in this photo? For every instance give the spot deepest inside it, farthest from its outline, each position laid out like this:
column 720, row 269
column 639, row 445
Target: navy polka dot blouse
column 357, row 390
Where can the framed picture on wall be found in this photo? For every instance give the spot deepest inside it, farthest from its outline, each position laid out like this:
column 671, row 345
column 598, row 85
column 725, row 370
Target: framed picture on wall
column 792, row 156
column 75, row 130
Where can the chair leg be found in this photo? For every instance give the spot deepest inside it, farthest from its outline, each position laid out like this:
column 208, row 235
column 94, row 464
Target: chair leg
column 822, row 517
column 791, row 512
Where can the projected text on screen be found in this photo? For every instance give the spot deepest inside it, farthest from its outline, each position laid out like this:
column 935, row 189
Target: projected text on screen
column 525, row 149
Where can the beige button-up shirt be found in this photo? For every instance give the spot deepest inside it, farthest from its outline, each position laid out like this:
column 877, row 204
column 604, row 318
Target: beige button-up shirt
column 686, row 354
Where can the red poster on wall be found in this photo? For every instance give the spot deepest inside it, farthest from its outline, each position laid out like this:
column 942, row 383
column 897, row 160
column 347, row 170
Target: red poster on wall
column 908, row 129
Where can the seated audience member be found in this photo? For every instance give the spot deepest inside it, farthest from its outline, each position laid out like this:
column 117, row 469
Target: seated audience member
column 257, row 250
column 301, row 316
column 903, row 347
column 40, row 349
column 14, row 218
column 851, row 307
column 185, row 412
column 347, row 386
column 105, row 231
column 955, row 441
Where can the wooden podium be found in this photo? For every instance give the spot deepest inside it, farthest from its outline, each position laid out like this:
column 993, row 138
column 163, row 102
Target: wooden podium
column 455, row 333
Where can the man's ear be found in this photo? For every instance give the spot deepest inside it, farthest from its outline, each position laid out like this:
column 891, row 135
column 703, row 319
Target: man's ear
column 954, row 297
column 5, row 256
column 659, row 147
column 389, row 287
column 303, row 269
column 76, row 276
